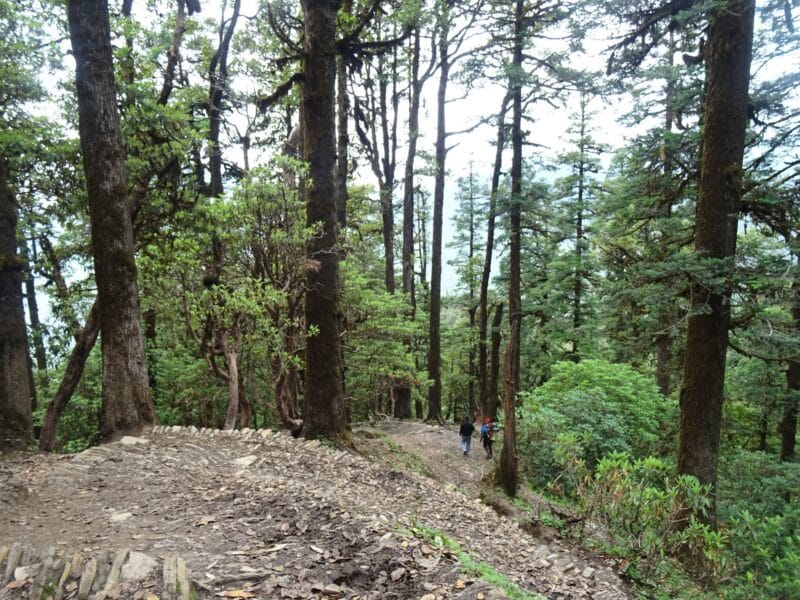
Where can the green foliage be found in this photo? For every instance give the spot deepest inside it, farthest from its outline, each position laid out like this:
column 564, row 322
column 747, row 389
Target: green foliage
column 646, row 511
column 766, row 552
column 602, row 407
column 757, row 483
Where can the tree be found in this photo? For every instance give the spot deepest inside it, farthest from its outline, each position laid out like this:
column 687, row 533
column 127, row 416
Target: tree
column 325, row 411
column 126, row 401
column 15, row 390
column 728, row 55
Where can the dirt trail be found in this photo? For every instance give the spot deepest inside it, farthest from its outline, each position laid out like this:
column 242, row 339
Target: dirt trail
column 274, row 517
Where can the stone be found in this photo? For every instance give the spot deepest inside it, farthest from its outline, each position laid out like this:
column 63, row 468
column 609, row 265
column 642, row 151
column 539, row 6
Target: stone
column 87, row 579
column 588, row 573
column 14, row 554
column 120, row 516
column 129, row 440
column 246, row 461
column 138, row 566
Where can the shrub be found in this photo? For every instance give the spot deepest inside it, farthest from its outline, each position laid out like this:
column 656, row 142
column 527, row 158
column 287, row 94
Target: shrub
column 604, row 407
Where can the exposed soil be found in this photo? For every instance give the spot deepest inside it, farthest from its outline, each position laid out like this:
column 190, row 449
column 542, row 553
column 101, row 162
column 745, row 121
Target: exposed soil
column 269, row 516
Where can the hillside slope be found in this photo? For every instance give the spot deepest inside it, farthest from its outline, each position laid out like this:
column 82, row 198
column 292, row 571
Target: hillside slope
column 263, row 515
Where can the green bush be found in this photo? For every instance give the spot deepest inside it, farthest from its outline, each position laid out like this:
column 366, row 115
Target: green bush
column 766, row 554
column 756, row 482
column 603, row 407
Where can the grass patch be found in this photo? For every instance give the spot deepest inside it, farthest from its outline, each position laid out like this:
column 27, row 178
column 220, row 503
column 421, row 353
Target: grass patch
column 470, row 566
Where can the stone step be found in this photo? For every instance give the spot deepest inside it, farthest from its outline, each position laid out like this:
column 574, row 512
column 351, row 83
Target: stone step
column 53, row 574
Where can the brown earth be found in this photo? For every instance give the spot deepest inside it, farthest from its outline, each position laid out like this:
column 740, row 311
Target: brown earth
column 264, row 515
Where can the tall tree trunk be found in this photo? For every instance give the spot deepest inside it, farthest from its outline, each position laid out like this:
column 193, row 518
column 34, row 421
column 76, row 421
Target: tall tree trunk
column 508, row 456
column 665, row 313
column 343, row 139
column 37, row 329
column 577, row 284
column 515, row 209
column 126, row 401
column 434, row 329
column 494, row 369
column 408, row 179
column 325, row 411
column 728, row 55
column 402, row 407
column 84, row 343
column 15, row 386
column 483, row 302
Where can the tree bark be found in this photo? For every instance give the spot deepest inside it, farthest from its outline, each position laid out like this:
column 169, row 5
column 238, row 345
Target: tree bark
column 126, row 402
column 325, row 413
column 515, row 209
column 483, row 302
column 15, row 390
column 508, row 456
column 84, row 343
column 434, row 329
column 494, row 370
column 728, row 55
column 37, row 329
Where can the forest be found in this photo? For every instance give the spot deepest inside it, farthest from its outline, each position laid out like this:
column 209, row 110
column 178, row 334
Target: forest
column 579, row 218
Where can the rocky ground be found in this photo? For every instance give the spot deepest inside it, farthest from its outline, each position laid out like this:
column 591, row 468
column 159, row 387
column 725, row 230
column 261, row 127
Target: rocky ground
column 264, row 515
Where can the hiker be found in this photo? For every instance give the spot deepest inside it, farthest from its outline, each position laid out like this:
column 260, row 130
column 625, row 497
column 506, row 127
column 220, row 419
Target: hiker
column 487, row 433
column 466, row 431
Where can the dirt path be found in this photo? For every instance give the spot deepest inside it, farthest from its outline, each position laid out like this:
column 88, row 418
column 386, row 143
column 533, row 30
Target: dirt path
column 274, row 517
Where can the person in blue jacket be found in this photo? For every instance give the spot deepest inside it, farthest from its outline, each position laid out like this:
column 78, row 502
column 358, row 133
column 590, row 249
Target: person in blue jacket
column 487, row 435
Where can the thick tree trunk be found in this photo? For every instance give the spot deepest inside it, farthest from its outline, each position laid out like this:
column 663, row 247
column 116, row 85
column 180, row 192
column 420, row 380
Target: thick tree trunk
column 126, row 401
column 84, row 343
column 15, row 388
column 483, row 301
column 728, row 54
column 325, row 411
column 434, row 329
column 508, row 456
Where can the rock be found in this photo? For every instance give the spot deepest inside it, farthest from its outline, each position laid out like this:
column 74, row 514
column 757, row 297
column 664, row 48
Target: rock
column 120, row 516
column 129, row 440
column 246, row 461
column 138, row 566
